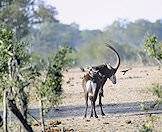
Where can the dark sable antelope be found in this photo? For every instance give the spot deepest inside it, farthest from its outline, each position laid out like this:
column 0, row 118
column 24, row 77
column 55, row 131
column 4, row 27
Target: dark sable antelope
column 100, row 74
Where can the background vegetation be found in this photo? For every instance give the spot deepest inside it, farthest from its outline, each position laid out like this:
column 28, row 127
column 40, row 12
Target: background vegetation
column 36, row 22
column 41, row 47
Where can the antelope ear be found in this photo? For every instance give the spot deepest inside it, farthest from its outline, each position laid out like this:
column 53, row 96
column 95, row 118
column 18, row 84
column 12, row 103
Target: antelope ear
column 109, row 66
column 94, row 70
column 97, row 70
column 105, row 64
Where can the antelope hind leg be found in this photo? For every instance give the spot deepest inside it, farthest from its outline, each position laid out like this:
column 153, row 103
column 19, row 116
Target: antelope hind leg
column 100, row 104
column 86, row 105
column 94, row 109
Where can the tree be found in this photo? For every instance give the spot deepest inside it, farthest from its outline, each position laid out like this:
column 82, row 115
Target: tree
column 45, row 13
column 49, row 85
column 50, row 35
column 153, row 48
column 19, row 72
column 22, row 15
column 15, row 59
column 14, row 14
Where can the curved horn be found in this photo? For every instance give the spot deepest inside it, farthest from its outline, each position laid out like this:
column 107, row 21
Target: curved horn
column 117, row 55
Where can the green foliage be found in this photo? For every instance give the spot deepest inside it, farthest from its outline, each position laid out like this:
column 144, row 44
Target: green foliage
column 93, row 52
column 22, row 15
column 46, row 13
column 146, row 128
column 156, row 89
column 149, row 125
column 129, row 36
column 13, row 13
column 61, row 58
column 126, row 32
column 153, row 47
column 6, row 41
column 46, row 76
column 47, row 34
column 14, row 58
column 6, row 44
column 9, row 47
column 51, row 89
column 38, row 61
column 50, row 36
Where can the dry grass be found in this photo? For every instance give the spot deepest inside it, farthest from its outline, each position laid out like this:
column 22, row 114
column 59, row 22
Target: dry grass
column 121, row 102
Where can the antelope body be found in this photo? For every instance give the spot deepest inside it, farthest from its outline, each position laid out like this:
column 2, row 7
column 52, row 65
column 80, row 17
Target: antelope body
column 104, row 72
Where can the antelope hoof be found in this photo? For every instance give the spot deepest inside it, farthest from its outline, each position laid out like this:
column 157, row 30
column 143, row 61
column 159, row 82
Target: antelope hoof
column 96, row 116
column 103, row 114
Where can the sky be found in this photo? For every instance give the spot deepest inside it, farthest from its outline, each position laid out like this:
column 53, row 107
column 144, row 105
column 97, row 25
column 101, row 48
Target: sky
column 97, row 14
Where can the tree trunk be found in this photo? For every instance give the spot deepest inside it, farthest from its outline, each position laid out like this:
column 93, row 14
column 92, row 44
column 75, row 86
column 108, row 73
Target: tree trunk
column 1, row 121
column 42, row 116
column 12, row 106
column 23, row 104
column 5, row 112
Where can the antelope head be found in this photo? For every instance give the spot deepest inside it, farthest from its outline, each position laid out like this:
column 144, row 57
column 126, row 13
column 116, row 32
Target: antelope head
column 107, row 70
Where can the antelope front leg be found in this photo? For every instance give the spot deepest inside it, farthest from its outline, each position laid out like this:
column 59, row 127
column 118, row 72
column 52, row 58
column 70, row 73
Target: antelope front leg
column 100, row 104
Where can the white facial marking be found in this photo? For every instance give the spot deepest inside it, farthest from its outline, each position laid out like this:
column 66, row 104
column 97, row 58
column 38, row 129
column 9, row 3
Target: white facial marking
column 113, row 79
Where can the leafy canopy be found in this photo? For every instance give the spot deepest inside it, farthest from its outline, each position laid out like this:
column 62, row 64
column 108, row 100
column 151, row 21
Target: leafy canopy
column 153, row 47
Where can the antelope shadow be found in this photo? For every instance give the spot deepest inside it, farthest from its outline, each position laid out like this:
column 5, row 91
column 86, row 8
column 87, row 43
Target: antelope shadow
column 112, row 109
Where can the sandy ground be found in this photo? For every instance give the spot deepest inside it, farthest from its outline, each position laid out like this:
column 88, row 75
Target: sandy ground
column 122, row 102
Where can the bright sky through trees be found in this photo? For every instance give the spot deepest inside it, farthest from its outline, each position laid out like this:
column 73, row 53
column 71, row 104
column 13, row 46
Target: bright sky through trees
column 96, row 14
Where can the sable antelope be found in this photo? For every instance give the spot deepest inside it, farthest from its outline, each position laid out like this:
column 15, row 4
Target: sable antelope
column 107, row 72
column 91, row 86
